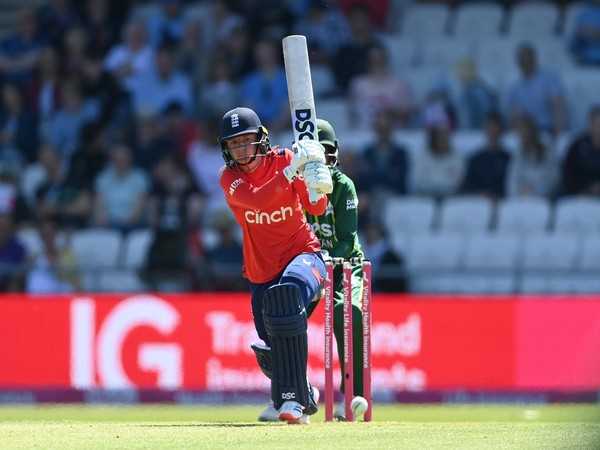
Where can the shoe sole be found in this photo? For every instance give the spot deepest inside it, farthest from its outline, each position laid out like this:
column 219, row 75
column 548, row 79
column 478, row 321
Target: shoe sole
column 292, row 419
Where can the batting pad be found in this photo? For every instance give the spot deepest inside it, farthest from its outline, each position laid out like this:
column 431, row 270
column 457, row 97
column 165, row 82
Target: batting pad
column 285, row 320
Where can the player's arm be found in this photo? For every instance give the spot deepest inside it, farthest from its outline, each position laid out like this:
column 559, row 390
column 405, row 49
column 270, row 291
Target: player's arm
column 238, row 192
column 345, row 209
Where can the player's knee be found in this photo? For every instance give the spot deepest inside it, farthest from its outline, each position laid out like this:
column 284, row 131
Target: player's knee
column 283, row 311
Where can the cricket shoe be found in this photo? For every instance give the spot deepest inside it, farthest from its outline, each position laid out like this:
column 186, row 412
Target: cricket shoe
column 293, row 413
column 269, row 414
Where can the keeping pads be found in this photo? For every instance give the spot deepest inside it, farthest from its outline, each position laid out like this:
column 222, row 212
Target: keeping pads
column 317, row 177
column 304, row 151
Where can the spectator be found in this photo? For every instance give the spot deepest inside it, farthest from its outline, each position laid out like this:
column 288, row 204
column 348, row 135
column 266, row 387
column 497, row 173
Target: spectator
column 151, row 141
column 63, row 129
column 133, row 57
column 538, row 93
column 121, row 193
column 223, row 259
column 53, row 269
column 222, row 24
column 220, row 94
column 581, row 167
column 166, row 27
column 204, row 161
column 237, row 52
column 324, row 26
column 68, row 203
column 174, row 210
column 487, row 169
column 180, row 130
column 379, row 90
column 155, row 90
column 75, row 52
column 20, row 51
column 321, row 74
column 102, row 31
column 437, row 170
column 55, row 18
column 188, row 52
column 534, row 169
column 11, row 200
column 12, row 255
column 103, row 89
column 36, row 174
column 18, row 130
column 384, row 166
column 351, row 59
column 389, row 274
column 44, row 90
column 265, row 89
column 89, row 159
column 585, row 42
column 476, row 98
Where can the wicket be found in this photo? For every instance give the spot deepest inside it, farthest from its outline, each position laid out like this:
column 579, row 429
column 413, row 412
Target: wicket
column 348, row 344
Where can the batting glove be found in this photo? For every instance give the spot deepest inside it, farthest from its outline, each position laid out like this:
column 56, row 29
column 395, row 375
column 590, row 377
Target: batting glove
column 302, row 152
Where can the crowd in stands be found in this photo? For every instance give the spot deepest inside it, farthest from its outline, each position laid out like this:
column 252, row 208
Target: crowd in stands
column 109, row 118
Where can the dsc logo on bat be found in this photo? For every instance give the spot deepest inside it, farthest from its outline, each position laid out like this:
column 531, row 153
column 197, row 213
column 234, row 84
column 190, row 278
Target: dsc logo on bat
column 304, row 124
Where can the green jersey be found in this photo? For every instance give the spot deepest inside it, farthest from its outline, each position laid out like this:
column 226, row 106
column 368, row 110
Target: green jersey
column 337, row 228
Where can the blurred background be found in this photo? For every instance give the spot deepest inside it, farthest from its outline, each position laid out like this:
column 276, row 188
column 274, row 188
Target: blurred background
column 471, row 130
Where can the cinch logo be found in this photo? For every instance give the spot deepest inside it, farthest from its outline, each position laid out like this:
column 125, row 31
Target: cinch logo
column 261, row 217
column 235, row 121
column 303, row 124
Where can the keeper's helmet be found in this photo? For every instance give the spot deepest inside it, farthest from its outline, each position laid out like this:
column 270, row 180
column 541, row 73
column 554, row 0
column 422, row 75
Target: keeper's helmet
column 240, row 121
column 329, row 140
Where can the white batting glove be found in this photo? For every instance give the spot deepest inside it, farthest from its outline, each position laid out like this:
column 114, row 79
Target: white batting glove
column 317, row 177
column 304, row 151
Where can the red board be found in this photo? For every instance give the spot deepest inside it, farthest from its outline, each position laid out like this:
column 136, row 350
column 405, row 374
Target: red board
column 202, row 342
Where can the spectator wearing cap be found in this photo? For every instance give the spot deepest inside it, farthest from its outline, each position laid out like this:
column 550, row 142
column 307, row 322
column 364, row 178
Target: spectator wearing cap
column 581, row 167
column 538, row 93
column 437, row 169
column 487, row 168
column 156, row 89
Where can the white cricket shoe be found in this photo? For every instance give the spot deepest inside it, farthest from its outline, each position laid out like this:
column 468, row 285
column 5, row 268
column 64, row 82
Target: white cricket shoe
column 269, row 414
column 293, row 413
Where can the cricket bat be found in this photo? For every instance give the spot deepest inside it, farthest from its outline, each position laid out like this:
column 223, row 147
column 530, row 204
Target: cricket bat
column 300, row 92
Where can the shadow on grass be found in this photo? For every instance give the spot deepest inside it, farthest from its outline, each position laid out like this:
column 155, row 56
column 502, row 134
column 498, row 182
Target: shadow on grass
column 203, row 425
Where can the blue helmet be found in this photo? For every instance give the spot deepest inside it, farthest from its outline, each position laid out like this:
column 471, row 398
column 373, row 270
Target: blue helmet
column 241, row 121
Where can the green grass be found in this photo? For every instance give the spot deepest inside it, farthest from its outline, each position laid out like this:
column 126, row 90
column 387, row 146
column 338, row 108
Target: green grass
column 406, row 427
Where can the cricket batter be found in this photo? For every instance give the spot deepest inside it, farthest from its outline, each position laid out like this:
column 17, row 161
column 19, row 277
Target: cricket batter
column 282, row 258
